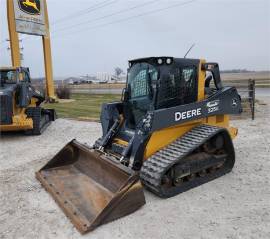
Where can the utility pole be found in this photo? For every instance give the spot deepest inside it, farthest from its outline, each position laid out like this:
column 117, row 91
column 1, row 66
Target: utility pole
column 20, row 47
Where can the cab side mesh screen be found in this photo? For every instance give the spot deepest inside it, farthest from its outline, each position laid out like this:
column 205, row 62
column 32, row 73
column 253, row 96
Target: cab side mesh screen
column 139, row 85
column 180, row 87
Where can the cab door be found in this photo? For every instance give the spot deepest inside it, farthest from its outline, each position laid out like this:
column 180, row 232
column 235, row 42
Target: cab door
column 140, row 79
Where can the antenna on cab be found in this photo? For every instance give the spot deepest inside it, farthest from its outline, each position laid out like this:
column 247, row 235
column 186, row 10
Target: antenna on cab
column 189, row 50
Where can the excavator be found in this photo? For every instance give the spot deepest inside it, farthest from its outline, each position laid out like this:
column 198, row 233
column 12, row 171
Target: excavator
column 169, row 133
column 20, row 103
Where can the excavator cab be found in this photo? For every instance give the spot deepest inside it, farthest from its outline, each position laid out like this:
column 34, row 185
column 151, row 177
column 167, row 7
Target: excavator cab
column 8, row 76
column 166, row 133
column 20, row 102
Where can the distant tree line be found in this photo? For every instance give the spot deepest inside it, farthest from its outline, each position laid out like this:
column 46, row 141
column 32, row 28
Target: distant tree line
column 236, row 71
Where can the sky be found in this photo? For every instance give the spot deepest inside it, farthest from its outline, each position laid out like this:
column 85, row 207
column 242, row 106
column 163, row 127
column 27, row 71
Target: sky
column 92, row 36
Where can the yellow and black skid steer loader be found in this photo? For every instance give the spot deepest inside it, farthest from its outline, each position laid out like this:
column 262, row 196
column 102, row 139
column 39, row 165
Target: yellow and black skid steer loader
column 170, row 132
column 20, row 103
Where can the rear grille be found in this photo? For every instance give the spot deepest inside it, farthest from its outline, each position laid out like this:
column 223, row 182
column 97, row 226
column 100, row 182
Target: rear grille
column 5, row 109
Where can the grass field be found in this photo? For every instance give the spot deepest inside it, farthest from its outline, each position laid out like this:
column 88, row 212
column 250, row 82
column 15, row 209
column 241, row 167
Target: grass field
column 82, row 106
column 87, row 107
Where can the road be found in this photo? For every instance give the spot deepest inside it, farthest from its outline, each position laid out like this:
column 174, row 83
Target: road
column 260, row 92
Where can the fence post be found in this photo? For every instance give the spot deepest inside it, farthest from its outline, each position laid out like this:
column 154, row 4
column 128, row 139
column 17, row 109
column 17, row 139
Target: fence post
column 251, row 97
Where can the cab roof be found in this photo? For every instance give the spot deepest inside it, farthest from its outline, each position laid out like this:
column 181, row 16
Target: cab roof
column 154, row 60
column 8, row 68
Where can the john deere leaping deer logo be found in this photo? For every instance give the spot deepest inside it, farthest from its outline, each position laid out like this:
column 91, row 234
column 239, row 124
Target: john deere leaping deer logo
column 31, row 7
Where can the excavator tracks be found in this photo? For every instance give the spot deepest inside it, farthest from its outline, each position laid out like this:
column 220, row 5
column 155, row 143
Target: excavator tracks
column 184, row 158
column 41, row 119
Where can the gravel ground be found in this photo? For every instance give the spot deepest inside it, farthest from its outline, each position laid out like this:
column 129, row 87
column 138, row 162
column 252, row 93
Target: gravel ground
column 234, row 206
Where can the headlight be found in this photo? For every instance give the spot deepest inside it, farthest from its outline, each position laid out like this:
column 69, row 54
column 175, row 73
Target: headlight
column 160, row 61
column 169, row 61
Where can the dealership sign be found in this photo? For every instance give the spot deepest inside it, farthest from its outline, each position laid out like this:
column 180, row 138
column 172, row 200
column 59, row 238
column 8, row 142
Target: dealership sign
column 30, row 17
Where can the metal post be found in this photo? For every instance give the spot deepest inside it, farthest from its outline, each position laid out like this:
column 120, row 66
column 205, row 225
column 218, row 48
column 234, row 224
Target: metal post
column 13, row 35
column 48, row 59
column 251, row 97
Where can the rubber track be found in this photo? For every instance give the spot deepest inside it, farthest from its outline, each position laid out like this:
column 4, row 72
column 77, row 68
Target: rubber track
column 158, row 164
column 38, row 117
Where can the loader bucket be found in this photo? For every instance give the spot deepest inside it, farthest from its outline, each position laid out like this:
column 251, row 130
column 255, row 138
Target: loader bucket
column 91, row 188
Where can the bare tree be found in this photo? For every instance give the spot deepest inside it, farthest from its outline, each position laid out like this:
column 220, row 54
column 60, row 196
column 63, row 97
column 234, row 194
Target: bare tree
column 118, row 71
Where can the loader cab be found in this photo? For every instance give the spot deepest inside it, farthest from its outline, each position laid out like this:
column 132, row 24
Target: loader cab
column 159, row 82
column 11, row 76
column 8, row 76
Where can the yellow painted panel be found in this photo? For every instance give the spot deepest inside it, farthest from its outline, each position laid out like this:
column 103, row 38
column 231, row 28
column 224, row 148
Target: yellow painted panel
column 201, row 81
column 19, row 123
column 120, row 141
column 166, row 136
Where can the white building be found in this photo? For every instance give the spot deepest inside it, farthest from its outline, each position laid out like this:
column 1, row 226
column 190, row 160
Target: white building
column 104, row 77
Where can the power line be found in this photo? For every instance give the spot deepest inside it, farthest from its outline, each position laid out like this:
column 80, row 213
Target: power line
column 85, row 11
column 96, row 19
column 132, row 17
column 109, row 15
column 77, row 14
column 2, row 43
column 126, row 19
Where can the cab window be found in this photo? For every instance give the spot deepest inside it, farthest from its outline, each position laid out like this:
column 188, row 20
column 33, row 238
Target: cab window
column 178, row 87
column 140, row 78
column 26, row 77
column 8, row 77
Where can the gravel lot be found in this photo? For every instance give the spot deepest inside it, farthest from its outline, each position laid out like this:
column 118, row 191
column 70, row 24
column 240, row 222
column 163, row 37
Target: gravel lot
column 234, row 206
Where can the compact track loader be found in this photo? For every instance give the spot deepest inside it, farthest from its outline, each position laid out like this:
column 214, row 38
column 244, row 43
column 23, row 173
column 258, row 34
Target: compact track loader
column 20, row 103
column 169, row 133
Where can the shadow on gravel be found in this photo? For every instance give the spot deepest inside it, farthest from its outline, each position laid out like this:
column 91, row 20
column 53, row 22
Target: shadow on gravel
column 13, row 134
